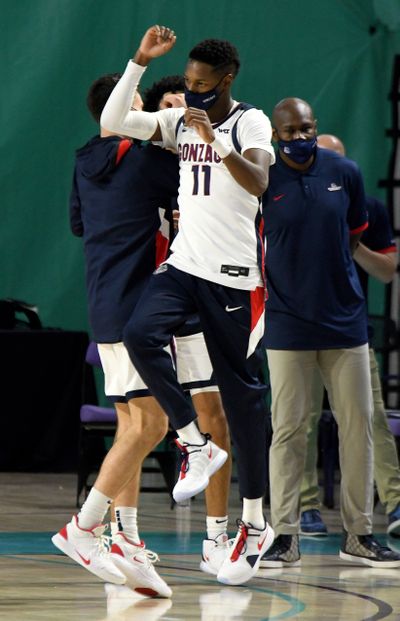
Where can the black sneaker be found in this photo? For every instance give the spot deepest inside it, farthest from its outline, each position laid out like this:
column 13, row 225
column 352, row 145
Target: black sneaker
column 284, row 552
column 366, row 550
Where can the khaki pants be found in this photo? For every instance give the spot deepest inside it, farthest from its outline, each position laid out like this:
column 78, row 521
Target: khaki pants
column 346, row 375
column 386, row 461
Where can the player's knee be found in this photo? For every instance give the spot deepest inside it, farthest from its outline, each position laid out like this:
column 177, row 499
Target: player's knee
column 155, row 425
column 154, row 434
column 159, row 434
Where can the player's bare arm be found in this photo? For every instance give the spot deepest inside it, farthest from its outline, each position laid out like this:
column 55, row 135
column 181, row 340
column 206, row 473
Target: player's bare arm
column 377, row 264
column 250, row 170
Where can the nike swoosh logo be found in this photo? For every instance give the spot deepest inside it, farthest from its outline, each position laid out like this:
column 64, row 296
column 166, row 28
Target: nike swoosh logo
column 260, row 544
column 230, row 309
column 278, row 198
column 135, row 558
column 85, row 560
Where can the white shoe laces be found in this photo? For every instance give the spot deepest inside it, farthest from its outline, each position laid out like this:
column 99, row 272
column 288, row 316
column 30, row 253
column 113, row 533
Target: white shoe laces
column 196, row 455
column 103, row 542
column 151, row 556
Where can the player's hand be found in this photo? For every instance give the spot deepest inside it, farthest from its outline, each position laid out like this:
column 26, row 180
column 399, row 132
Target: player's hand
column 157, row 41
column 199, row 120
column 172, row 100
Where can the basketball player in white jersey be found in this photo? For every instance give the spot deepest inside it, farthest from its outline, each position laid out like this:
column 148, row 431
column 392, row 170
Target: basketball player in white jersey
column 215, row 269
column 195, row 374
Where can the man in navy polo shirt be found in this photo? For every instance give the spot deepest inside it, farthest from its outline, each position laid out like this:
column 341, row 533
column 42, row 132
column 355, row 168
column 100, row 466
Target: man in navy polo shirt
column 314, row 213
column 375, row 255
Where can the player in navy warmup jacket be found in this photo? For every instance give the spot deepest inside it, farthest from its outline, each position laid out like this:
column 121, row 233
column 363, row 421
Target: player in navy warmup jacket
column 121, row 194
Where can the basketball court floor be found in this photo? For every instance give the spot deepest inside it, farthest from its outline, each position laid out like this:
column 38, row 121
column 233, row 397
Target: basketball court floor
column 37, row 583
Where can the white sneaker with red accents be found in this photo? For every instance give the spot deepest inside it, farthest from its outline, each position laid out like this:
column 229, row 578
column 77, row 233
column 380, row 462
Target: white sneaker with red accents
column 199, row 463
column 215, row 551
column 136, row 563
column 90, row 548
column 246, row 552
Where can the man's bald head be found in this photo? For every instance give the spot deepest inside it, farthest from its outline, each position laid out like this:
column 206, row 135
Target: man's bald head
column 289, row 108
column 328, row 141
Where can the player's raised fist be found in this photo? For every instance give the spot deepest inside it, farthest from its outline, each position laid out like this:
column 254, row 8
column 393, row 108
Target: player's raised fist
column 157, row 41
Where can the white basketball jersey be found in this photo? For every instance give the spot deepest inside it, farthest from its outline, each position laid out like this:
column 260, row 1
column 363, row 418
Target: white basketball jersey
column 220, row 224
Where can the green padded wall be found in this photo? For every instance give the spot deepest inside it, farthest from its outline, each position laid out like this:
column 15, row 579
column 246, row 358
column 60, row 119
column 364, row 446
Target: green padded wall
column 337, row 54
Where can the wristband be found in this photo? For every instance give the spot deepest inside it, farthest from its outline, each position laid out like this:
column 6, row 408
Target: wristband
column 221, row 148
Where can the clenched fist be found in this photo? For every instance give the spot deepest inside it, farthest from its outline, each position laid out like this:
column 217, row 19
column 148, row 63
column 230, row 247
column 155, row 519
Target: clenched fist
column 157, row 41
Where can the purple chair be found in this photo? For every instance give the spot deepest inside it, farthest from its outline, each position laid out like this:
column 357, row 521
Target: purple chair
column 94, row 413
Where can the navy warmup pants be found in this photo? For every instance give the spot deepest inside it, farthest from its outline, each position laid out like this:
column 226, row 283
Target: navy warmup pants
column 227, row 317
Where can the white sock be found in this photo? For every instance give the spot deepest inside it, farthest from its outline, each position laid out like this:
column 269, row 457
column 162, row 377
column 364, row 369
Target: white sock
column 113, row 529
column 216, row 526
column 127, row 522
column 253, row 512
column 190, row 434
column 93, row 509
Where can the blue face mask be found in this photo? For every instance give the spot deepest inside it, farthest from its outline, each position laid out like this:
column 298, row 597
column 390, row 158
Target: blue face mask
column 298, row 150
column 202, row 101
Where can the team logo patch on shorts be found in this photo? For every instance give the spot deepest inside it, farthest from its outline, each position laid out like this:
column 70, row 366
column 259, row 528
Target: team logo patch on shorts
column 161, row 269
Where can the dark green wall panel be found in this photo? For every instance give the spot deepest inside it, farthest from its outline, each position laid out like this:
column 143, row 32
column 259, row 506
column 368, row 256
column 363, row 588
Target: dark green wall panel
column 336, row 54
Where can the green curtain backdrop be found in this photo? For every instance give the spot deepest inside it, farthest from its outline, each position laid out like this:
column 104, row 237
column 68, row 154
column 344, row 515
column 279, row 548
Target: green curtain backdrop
column 336, row 54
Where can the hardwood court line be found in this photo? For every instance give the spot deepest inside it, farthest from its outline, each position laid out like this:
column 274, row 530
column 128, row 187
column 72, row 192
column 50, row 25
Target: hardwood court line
column 297, row 605
column 58, row 560
column 384, row 608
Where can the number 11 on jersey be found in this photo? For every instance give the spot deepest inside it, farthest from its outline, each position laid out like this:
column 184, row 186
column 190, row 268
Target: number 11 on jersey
column 199, row 171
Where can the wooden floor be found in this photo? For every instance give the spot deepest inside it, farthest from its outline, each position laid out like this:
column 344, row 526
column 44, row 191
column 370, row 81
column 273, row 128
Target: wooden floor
column 38, row 584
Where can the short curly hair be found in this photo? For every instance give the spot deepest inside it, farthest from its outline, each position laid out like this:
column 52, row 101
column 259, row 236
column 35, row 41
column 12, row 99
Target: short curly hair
column 221, row 55
column 99, row 93
column 153, row 95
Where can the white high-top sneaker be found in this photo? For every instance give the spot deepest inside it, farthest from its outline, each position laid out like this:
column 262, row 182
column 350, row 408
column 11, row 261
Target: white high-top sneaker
column 199, row 463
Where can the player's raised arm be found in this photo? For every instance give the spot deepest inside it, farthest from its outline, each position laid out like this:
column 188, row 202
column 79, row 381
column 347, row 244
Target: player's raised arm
column 117, row 115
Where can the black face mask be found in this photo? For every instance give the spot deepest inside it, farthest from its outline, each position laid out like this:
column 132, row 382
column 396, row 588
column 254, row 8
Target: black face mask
column 298, row 150
column 202, row 101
